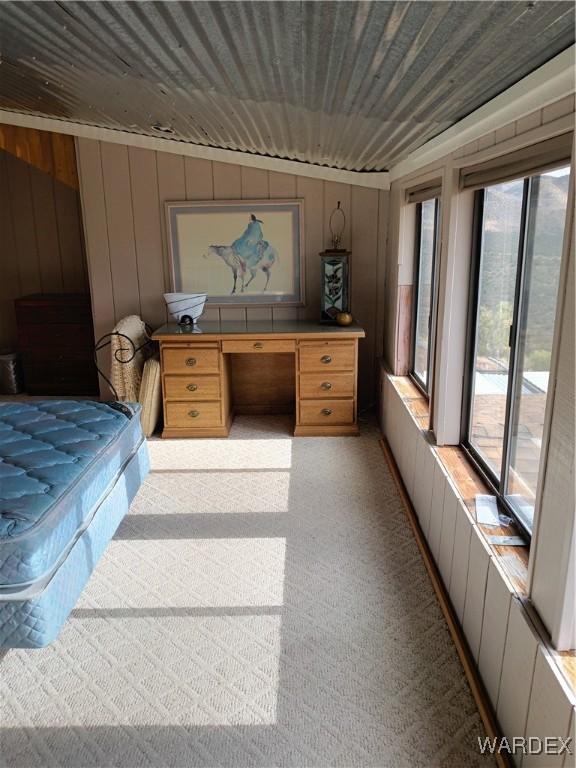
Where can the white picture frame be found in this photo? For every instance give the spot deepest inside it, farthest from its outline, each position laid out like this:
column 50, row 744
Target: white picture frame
column 238, row 252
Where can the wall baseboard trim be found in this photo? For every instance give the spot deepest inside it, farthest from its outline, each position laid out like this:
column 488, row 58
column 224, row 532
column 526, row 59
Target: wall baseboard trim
column 479, row 693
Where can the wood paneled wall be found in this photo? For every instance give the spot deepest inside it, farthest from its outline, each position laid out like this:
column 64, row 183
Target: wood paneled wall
column 123, row 194
column 41, row 241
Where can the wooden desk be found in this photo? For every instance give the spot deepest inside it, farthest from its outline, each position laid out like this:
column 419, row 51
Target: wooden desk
column 215, row 369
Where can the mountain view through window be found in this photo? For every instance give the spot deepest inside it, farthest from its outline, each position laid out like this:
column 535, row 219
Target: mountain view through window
column 520, row 254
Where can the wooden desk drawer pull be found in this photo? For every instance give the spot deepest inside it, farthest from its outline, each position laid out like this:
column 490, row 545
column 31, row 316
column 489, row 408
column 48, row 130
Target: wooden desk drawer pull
column 192, row 387
column 191, row 361
column 326, row 411
column 326, row 359
column 326, row 385
column 258, row 345
column 194, row 414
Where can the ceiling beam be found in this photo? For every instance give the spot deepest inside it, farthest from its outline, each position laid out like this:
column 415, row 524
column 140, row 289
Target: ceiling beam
column 550, row 82
column 372, row 179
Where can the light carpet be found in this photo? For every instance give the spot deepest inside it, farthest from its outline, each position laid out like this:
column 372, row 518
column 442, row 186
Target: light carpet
column 263, row 604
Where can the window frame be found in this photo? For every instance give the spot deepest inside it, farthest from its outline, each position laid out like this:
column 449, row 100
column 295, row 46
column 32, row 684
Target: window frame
column 424, row 387
column 497, row 485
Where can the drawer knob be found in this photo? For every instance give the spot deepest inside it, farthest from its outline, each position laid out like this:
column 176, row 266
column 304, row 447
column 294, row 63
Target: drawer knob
column 326, row 411
column 258, row 345
column 190, row 361
column 326, row 385
column 192, row 387
column 193, row 414
column 326, row 359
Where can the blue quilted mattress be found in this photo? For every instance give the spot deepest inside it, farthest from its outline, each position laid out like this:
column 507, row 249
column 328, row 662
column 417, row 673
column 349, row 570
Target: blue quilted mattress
column 62, row 463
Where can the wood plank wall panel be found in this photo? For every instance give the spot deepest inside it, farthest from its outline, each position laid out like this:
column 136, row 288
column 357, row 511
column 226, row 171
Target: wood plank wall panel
column 312, row 192
column 411, row 436
column 381, row 265
column 52, row 153
column 254, row 183
column 48, row 244
column 227, row 181
column 40, row 223
column 171, row 187
column 364, row 285
column 147, row 234
column 97, row 248
column 437, row 509
column 448, row 533
column 9, row 277
column 517, row 672
column 120, row 225
column 71, row 238
column 199, row 179
column 136, row 183
column 64, row 159
column 549, row 712
column 22, row 207
column 476, row 593
column 494, row 628
column 284, row 184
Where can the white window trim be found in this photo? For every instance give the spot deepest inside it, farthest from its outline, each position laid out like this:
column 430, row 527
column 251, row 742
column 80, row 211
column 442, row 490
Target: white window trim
column 457, row 210
column 559, row 613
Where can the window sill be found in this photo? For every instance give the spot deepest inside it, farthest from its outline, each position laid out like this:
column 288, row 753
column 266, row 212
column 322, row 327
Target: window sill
column 513, row 560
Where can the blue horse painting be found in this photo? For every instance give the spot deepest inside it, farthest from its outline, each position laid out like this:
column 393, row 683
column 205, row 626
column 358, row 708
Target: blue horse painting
column 247, row 254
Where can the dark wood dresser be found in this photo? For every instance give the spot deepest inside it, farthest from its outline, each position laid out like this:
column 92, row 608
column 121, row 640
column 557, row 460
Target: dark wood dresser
column 56, row 343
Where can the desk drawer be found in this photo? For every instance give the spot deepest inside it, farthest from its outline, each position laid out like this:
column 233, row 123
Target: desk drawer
column 329, row 384
column 191, row 415
column 190, row 360
column 258, row 345
column 323, row 357
column 192, row 387
column 324, row 412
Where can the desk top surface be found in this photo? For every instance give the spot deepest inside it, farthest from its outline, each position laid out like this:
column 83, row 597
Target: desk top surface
column 257, row 328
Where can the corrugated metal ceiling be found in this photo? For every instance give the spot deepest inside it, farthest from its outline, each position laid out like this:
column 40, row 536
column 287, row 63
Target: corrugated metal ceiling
column 353, row 85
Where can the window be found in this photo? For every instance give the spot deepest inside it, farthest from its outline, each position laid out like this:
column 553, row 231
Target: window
column 518, row 249
column 424, row 282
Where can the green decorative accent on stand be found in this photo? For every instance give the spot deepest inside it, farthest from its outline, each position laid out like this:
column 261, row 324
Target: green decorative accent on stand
column 335, row 284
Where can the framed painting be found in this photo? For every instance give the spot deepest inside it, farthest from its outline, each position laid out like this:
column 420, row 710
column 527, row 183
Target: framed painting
column 246, row 252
